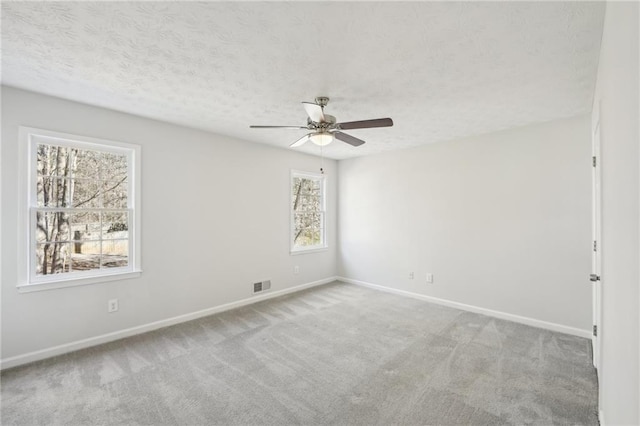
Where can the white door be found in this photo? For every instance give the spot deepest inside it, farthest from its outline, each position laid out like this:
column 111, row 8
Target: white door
column 596, row 258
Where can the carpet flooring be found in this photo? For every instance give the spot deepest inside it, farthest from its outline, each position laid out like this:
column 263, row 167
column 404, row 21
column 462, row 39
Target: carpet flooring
column 336, row 354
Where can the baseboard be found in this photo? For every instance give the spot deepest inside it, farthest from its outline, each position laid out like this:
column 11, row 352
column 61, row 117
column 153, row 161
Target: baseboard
column 601, row 418
column 128, row 332
column 496, row 314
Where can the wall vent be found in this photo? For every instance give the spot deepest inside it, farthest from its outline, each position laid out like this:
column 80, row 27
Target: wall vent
column 261, row 286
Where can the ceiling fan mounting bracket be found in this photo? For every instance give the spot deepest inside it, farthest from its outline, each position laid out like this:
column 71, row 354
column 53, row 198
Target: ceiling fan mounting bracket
column 322, row 101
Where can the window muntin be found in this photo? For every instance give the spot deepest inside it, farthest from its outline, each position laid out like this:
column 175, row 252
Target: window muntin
column 308, row 224
column 82, row 213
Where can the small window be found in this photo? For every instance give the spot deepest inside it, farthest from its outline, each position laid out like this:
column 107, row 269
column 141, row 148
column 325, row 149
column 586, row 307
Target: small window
column 82, row 207
column 308, row 224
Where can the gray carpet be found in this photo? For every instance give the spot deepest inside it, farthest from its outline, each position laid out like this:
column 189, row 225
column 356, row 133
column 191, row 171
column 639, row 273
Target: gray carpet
column 335, row 354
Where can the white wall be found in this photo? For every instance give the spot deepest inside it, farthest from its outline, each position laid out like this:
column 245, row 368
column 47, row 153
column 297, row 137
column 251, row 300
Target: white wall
column 617, row 93
column 503, row 221
column 215, row 219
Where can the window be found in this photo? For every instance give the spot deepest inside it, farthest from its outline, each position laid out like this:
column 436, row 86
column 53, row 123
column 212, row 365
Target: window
column 82, row 208
column 307, row 212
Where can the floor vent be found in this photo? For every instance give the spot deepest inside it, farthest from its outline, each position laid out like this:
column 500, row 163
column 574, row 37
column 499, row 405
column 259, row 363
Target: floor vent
column 261, row 286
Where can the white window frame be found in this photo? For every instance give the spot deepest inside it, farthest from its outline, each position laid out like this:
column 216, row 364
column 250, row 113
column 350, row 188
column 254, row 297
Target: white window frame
column 29, row 139
column 318, row 247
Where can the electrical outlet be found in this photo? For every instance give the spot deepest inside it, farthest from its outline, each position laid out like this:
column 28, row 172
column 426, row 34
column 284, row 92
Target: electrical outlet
column 411, row 275
column 430, row 278
column 296, row 270
column 112, row 305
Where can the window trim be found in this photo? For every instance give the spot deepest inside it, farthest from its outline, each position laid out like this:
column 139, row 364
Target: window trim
column 310, row 249
column 30, row 137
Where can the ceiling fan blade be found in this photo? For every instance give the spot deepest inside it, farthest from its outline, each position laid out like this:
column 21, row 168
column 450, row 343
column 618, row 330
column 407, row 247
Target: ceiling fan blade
column 278, row 127
column 300, row 141
column 314, row 111
column 348, row 139
column 365, row 124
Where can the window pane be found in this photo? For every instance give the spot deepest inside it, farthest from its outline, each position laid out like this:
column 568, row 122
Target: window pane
column 303, row 220
column 302, row 204
column 86, row 194
column 88, row 247
column 114, row 166
column 86, row 255
column 311, row 187
column 299, row 238
column 300, row 231
column 42, row 226
column 309, row 203
column 316, row 220
column 52, row 192
column 88, row 164
column 295, row 191
column 306, row 238
column 115, row 253
column 316, row 236
column 52, row 226
column 305, row 188
column 85, row 225
column 115, row 225
column 54, row 160
column 52, row 258
column 115, row 194
column 295, row 185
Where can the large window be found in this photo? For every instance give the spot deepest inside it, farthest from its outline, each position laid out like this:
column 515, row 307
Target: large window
column 82, row 207
column 307, row 212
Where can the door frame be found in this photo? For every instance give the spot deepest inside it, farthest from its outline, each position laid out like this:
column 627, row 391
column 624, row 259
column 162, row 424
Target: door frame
column 596, row 231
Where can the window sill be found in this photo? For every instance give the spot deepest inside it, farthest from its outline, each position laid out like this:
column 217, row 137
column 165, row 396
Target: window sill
column 74, row 282
column 308, row 251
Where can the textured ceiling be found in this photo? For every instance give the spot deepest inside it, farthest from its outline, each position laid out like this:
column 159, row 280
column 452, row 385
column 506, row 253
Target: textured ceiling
column 441, row 70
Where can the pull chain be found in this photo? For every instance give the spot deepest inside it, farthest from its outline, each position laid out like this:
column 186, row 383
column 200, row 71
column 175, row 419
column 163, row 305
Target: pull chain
column 321, row 161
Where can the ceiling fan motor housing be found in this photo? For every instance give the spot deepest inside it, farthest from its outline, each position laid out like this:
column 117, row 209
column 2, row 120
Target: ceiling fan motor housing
column 328, row 123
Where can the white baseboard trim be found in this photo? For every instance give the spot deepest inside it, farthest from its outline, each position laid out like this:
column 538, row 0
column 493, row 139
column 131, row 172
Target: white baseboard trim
column 601, row 418
column 109, row 337
column 496, row 314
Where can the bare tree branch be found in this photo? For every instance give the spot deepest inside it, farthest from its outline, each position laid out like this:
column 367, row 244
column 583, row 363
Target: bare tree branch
column 94, row 196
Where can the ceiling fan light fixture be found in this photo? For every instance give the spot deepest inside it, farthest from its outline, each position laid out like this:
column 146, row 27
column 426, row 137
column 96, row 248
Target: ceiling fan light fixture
column 321, row 138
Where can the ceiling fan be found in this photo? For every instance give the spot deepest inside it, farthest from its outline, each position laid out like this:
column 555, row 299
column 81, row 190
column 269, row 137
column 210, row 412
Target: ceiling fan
column 324, row 128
